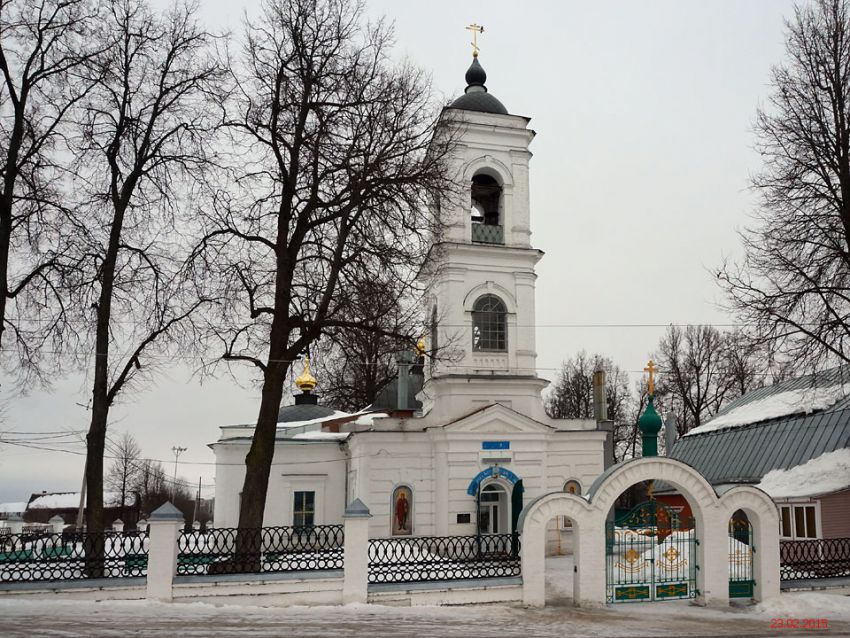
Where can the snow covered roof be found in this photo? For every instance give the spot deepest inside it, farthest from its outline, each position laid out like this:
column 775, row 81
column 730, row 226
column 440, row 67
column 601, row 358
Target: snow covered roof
column 320, row 436
column 807, row 394
column 827, row 473
column 13, row 508
column 71, row 500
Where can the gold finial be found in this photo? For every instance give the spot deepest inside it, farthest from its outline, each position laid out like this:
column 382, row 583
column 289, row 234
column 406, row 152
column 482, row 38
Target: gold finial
column 651, row 369
column 476, row 29
column 420, row 347
column 306, row 381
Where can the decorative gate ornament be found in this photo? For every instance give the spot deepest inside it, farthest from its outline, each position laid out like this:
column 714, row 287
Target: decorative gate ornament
column 650, row 554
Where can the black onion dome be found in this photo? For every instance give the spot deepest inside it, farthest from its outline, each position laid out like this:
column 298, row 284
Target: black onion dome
column 476, row 74
column 476, row 97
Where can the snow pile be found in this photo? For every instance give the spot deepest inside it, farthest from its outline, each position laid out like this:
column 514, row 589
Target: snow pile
column 798, row 401
column 320, row 436
column 71, row 500
column 286, row 425
column 827, row 473
column 369, row 419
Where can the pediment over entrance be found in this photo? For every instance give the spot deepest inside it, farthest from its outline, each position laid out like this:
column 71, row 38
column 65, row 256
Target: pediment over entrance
column 496, row 419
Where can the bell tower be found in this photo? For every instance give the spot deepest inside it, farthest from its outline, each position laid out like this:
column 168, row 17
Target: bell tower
column 482, row 283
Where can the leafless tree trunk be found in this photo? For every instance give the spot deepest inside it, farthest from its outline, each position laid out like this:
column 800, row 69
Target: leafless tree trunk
column 336, row 170
column 45, row 50
column 143, row 139
column 793, row 288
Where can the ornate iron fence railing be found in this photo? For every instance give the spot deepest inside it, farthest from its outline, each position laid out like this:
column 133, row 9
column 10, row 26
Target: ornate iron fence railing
column 430, row 558
column 814, row 558
column 45, row 556
column 268, row 549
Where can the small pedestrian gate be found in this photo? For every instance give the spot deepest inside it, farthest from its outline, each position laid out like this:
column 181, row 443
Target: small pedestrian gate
column 650, row 555
column 741, row 550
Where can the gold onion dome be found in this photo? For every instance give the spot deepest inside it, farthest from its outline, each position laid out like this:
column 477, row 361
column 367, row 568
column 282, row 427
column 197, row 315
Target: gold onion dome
column 306, row 381
column 420, row 347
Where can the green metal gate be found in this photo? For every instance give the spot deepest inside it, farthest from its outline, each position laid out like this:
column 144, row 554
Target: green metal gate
column 741, row 551
column 650, row 555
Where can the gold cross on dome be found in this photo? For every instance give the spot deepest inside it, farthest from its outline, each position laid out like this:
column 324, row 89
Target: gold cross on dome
column 651, row 369
column 476, row 29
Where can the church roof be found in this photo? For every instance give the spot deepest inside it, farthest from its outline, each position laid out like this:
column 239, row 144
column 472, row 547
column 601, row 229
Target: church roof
column 476, row 97
column 304, row 412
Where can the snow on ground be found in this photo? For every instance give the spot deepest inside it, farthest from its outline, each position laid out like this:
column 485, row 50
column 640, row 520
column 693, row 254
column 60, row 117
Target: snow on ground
column 826, row 473
column 799, row 401
column 52, row 617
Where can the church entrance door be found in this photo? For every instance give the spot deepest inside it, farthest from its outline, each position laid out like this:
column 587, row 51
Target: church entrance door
column 493, row 510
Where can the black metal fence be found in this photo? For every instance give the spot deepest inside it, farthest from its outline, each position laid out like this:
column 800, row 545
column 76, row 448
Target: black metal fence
column 430, row 558
column 814, row 558
column 42, row 556
column 268, row 549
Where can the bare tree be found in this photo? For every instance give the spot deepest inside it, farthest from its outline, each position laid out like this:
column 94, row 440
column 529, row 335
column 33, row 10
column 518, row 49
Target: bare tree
column 124, row 473
column 143, row 139
column 45, row 50
column 336, row 168
column 571, row 397
column 355, row 364
column 793, row 288
column 151, row 485
column 693, row 380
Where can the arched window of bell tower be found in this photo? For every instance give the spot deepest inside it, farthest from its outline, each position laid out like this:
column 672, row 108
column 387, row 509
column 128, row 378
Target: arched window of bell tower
column 486, row 203
column 489, row 324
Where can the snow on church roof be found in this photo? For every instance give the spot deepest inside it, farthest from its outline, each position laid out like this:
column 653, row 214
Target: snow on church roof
column 321, row 436
column 827, row 473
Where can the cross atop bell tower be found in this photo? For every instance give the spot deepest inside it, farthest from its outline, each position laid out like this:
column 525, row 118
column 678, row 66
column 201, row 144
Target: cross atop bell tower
column 476, row 29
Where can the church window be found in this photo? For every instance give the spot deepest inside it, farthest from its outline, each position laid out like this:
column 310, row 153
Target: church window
column 304, row 509
column 489, row 325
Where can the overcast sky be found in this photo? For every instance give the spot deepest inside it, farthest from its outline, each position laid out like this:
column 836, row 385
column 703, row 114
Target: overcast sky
column 644, row 115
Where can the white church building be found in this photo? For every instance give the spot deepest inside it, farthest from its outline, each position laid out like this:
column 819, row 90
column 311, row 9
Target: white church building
column 482, row 444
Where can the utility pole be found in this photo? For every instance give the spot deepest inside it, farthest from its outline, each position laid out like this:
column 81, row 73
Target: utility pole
column 177, row 452
column 197, row 503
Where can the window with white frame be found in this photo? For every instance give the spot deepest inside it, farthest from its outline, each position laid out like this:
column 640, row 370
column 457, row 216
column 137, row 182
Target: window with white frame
column 798, row 521
column 304, row 509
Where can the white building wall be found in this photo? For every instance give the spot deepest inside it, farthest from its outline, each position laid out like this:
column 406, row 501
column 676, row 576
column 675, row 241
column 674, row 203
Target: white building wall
column 310, row 466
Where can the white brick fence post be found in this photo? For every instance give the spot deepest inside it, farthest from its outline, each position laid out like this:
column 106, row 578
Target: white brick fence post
column 164, row 528
column 117, row 525
column 356, row 553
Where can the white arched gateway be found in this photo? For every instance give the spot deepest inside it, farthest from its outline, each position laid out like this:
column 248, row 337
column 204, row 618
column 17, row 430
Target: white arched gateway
column 711, row 514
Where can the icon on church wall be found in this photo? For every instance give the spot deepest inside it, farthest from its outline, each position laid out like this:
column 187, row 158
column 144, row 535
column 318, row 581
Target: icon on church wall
column 402, row 523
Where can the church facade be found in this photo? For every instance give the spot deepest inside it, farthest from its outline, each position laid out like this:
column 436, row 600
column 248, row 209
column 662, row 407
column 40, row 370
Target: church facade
column 478, row 445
